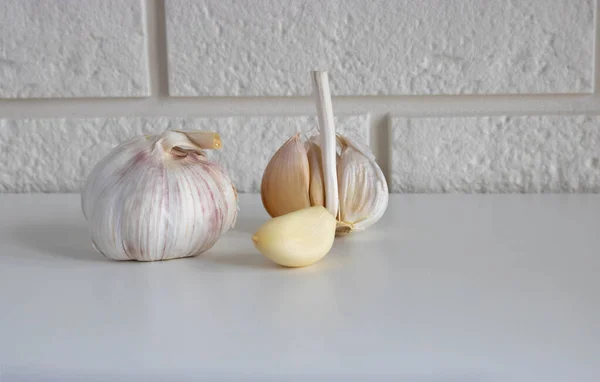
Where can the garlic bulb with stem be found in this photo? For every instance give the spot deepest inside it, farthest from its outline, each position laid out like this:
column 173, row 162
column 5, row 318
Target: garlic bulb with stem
column 330, row 170
column 159, row 197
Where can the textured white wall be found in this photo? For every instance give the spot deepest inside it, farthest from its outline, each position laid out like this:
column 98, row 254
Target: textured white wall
column 453, row 96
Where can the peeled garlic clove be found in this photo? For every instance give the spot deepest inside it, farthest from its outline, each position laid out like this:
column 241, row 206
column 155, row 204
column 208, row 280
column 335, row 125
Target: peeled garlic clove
column 158, row 197
column 285, row 182
column 363, row 190
column 297, row 239
column 317, row 188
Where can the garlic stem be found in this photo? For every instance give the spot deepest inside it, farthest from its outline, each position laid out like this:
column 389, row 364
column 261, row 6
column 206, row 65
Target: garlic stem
column 328, row 140
column 189, row 140
column 204, row 139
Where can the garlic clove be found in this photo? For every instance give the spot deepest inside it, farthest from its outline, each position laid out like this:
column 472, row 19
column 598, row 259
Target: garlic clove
column 363, row 190
column 286, row 180
column 317, row 188
column 297, row 239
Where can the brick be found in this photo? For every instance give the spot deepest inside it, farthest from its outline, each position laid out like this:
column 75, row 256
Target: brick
column 496, row 154
column 56, row 48
column 56, row 155
column 268, row 47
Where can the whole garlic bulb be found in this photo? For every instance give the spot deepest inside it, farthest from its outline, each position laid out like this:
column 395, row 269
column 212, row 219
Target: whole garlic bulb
column 158, row 198
column 334, row 171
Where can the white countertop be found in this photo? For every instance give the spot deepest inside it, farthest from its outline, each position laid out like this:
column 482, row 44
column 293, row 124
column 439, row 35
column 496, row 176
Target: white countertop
column 444, row 288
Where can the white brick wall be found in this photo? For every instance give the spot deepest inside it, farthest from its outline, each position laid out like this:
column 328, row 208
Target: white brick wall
column 67, row 149
column 454, row 96
column 57, row 48
column 496, row 154
column 380, row 47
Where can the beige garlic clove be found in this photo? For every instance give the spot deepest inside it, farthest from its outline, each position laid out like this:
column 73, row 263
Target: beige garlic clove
column 297, row 239
column 285, row 182
column 317, row 188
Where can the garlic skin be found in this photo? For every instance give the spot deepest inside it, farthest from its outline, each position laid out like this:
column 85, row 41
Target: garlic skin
column 363, row 190
column 276, row 196
column 297, row 239
column 158, row 197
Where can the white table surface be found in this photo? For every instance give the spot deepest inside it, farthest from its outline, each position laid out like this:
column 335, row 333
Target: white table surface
column 443, row 288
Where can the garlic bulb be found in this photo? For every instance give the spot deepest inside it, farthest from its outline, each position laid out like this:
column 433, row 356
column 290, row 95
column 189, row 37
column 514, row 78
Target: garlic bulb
column 334, row 171
column 158, row 198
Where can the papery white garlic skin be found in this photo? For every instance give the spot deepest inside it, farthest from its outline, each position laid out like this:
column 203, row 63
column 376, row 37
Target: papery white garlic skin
column 157, row 198
column 362, row 186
